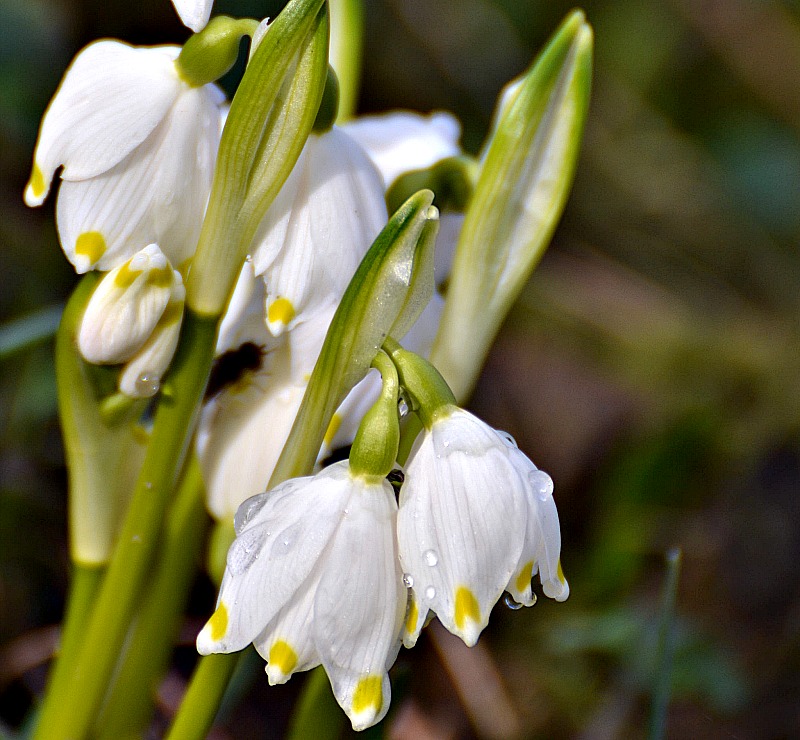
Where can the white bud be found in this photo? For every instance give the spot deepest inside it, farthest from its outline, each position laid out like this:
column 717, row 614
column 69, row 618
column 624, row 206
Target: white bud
column 126, row 306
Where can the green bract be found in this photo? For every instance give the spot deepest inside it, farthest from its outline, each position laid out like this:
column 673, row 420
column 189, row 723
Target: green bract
column 386, row 295
column 208, row 55
column 269, row 121
column 526, row 174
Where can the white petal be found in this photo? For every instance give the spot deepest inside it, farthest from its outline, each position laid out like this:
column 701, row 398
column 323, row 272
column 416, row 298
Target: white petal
column 125, row 307
column 141, row 376
column 158, row 193
column 461, row 523
column 194, row 14
column 402, row 142
column 243, row 432
column 319, row 227
column 110, row 100
column 360, row 604
column 287, row 644
column 243, row 320
column 281, row 536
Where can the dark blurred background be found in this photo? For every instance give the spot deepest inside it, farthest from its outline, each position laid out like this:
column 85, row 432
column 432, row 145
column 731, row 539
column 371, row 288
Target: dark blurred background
column 651, row 366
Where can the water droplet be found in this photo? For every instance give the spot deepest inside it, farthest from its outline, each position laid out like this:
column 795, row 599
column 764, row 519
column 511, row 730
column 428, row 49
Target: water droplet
column 430, row 592
column 149, row 485
column 243, row 552
column 541, row 483
column 147, row 385
column 431, row 558
column 402, row 407
column 408, row 579
column 507, row 438
column 509, row 601
column 248, row 510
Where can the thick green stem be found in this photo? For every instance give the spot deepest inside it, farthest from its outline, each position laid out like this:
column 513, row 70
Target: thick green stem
column 75, row 708
column 202, row 700
column 130, row 705
column 316, row 713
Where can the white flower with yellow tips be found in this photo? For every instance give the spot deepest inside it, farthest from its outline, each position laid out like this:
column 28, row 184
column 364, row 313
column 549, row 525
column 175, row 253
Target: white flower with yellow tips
column 313, row 578
column 194, row 14
column 476, row 518
column 137, row 144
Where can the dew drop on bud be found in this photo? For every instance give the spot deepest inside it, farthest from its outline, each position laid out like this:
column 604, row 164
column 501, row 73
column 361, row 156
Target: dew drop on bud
column 147, row 385
column 430, row 592
column 509, row 601
column 408, row 579
column 541, row 483
column 431, row 558
column 402, row 407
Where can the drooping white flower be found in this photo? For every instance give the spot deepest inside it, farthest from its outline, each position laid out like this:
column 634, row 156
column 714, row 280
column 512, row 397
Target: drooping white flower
column 138, row 146
column 403, row 141
column 476, row 518
column 313, row 578
column 194, row 14
column 318, row 229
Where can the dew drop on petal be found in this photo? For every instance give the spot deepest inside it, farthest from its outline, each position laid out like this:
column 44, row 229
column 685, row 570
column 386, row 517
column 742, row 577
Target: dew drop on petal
column 243, row 552
column 507, row 438
column 511, row 603
column 431, row 558
column 541, row 483
column 408, row 579
column 430, row 592
column 147, row 385
column 248, row 510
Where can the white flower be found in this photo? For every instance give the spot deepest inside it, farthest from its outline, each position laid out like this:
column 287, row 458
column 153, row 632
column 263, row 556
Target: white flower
column 476, row 518
column 313, row 578
column 138, row 146
column 194, row 14
column 403, row 141
column 318, row 229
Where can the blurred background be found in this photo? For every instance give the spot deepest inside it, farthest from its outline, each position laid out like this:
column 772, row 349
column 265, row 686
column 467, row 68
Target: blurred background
column 651, row 366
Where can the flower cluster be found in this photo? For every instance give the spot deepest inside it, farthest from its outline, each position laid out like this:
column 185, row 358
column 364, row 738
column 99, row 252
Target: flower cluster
column 336, row 568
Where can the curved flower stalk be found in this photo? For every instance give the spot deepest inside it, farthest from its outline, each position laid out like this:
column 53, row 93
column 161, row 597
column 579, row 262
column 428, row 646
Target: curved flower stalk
column 137, row 144
column 313, row 578
column 194, row 14
column 476, row 518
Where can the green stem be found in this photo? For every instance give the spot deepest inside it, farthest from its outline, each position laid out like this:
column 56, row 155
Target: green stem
column 86, row 580
column 316, row 714
column 75, row 708
column 204, row 696
column 130, row 705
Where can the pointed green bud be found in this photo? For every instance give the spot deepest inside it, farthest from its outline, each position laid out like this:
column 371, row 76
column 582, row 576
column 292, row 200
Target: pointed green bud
column 374, row 449
column 392, row 285
column 426, row 389
column 208, row 55
column 270, row 119
column 526, row 175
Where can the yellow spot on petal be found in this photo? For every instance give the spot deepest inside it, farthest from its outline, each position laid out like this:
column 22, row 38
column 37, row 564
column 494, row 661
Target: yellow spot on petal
column 219, row 622
column 524, row 577
column 333, row 427
column 91, row 245
column 161, row 278
column 560, row 573
column 280, row 311
column 37, row 183
column 125, row 277
column 368, row 693
column 412, row 617
column 466, row 607
column 283, row 657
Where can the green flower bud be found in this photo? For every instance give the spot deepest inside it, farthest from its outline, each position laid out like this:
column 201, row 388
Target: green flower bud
column 208, row 55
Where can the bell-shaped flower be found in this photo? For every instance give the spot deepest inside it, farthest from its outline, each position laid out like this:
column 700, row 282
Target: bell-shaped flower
column 138, row 146
column 313, row 578
column 126, row 306
column 194, row 14
column 476, row 518
column 318, row 229
column 403, row 141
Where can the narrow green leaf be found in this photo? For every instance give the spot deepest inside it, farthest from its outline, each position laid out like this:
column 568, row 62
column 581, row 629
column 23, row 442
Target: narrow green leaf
column 26, row 331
